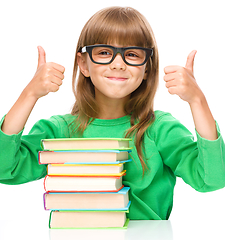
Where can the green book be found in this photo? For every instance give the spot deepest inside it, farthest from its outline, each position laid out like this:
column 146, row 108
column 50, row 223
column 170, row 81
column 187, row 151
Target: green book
column 86, row 219
column 85, row 143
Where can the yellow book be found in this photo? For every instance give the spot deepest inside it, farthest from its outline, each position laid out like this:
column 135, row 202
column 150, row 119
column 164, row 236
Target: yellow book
column 85, row 169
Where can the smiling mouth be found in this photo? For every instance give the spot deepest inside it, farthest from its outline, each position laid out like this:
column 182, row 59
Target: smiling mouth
column 117, row 78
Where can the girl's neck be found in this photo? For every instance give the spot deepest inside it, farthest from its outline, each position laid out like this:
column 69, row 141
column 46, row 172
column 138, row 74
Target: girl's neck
column 110, row 115
column 111, row 111
column 111, row 108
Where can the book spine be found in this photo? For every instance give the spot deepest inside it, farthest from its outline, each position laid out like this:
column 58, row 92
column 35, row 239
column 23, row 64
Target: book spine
column 39, row 158
column 50, row 219
column 45, row 182
column 124, row 209
column 86, row 191
column 44, row 200
column 88, row 176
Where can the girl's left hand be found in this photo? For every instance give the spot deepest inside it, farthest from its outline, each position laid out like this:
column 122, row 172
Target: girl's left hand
column 181, row 81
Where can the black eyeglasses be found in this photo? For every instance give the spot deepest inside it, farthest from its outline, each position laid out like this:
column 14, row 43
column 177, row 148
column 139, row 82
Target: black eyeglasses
column 105, row 54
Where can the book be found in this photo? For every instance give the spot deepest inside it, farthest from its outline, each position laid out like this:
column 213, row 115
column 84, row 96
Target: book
column 82, row 156
column 85, row 169
column 85, row 143
column 87, row 219
column 83, row 183
column 87, row 201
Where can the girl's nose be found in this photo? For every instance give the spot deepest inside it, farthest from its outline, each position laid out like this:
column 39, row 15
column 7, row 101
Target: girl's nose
column 118, row 63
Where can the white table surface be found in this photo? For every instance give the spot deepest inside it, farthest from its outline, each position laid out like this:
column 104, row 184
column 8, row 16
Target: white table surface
column 22, row 216
column 34, row 228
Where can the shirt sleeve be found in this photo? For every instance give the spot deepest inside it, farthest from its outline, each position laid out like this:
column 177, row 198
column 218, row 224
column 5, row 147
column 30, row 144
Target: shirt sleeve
column 19, row 153
column 201, row 163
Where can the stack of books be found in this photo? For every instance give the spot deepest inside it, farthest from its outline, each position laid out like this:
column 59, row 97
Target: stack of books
column 84, row 182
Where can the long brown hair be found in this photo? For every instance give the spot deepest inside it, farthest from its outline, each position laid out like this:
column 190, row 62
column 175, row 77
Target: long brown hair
column 125, row 26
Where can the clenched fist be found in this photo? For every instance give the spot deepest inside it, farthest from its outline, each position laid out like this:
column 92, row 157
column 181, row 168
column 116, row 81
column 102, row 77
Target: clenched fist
column 181, row 81
column 48, row 77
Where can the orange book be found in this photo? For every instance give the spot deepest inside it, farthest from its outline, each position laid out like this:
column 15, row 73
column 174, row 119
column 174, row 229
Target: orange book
column 83, row 183
column 85, row 169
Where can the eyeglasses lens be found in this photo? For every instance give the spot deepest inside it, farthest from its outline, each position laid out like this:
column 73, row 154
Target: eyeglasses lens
column 105, row 55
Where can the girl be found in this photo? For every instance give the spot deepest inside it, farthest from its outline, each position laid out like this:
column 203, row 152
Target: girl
column 117, row 58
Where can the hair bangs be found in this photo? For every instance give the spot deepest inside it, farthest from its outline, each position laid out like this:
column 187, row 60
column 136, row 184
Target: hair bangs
column 122, row 27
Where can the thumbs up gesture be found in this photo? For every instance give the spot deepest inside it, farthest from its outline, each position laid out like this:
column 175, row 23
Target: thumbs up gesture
column 48, row 77
column 180, row 80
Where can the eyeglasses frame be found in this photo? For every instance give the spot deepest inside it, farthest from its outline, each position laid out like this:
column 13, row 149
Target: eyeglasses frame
column 88, row 49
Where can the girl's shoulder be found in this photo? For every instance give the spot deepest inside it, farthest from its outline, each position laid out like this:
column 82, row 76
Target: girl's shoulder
column 59, row 124
column 161, row 115
column 68, row 118
column 162, row 123
column 65, row 119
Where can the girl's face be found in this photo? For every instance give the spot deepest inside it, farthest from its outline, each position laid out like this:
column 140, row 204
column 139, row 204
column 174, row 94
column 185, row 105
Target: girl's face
column 116, row 80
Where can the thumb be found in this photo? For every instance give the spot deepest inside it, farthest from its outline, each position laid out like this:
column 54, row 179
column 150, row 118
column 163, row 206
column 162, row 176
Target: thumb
column 190, row 60
column 41, row 56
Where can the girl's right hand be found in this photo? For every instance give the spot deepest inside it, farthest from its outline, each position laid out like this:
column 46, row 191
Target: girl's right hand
column 48, row 77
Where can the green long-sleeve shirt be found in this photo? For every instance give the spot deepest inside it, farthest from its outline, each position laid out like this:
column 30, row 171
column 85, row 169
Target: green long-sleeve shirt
column 170, row 151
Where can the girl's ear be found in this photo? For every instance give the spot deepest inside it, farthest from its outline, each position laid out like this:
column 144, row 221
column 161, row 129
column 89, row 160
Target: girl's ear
column 82, row 63
column 146, row 74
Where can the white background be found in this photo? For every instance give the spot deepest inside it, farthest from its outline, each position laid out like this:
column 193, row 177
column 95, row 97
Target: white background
column 179, row 27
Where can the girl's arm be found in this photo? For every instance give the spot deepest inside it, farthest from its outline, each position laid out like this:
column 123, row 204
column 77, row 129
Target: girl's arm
column 47, row 78
column 181, row 81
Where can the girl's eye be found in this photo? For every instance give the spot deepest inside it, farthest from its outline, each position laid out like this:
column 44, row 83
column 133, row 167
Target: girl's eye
column 104, row 53
column 132, row 54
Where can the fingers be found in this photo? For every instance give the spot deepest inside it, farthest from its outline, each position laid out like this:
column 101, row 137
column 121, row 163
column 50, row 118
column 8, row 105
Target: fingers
column 54, row 70
column 41, row 56
column 180, row 80
column 51, row 73
column 189, row 64
column 174, row 75
column 190, row 61
column 53, row 87
column 50, row 84
column 42, row 60
column 58, row 67
column 171, row 79
column 57, row 78
column 57, row 74
column 171, row 69
column 170, row 76
column 48, row 77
